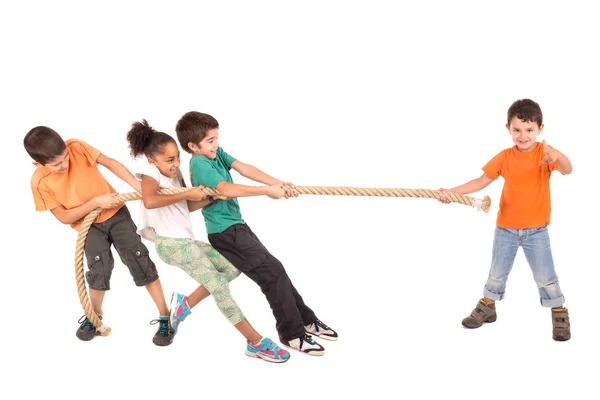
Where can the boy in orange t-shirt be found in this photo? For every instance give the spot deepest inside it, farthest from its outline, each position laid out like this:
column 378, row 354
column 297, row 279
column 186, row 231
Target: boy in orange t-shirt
column 69, row 184
column 523, row 217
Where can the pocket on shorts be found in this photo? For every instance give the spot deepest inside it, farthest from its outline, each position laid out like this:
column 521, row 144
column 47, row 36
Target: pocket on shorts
column 95, row 275
column 143, row 268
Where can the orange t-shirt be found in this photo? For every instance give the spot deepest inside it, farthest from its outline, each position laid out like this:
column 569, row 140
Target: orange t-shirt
column 81, row 183
column 525, row 199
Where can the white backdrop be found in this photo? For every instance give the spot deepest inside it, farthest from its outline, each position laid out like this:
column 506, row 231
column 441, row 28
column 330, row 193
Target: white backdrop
column 365, row 94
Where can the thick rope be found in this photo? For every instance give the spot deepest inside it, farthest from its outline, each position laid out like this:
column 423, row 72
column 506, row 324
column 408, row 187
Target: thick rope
column 321, row 190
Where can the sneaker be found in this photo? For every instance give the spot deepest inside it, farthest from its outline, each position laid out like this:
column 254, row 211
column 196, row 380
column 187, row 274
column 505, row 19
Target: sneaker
column 561, row 327
column 305, row 344
column 483, row 312
column 86, row 330
column 321, row 330
column 179, row 310
column 164, row 335
column 267, row 350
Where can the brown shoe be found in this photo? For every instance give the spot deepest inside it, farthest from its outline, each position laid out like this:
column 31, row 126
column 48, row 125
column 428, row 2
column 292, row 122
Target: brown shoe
column 483, row 312
column 561, row 327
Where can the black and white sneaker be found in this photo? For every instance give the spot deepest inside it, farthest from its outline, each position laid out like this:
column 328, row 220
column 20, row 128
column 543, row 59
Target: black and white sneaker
column 318, row 328
column 305, row 344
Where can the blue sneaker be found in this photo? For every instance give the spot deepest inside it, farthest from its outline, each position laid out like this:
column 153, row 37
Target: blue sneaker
column 268, row 351
column 179, row 310
column 164, row 335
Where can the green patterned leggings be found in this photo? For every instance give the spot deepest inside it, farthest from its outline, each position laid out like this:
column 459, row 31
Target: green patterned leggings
column 206, row 266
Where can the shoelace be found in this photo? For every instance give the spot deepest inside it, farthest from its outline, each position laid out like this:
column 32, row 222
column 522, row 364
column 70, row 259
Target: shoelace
column 270, row 346
column 163, row 328
column 88, row 324
column 320, row 324
column 308, row 339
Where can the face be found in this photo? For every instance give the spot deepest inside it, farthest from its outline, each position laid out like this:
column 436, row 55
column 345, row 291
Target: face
column 524, row 134
column 58, row 165
column 208, row 146
column 167, row 161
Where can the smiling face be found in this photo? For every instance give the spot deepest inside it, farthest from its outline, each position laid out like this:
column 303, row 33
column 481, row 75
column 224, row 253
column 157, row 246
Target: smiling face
column 167, row 160
column 524, row 133
column 208, row 146
column 60, row 164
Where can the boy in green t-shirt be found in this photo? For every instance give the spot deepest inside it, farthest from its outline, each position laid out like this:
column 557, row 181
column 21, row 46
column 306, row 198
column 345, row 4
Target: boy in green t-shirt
column 232, row 237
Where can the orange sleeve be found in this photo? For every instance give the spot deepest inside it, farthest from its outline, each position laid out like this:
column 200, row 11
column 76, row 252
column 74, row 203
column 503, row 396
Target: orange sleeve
column 552, row 166
column 495, row 166
column 43, row 197
column 86, row 150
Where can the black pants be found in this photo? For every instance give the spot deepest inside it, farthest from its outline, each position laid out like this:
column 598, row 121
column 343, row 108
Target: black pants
column 243, row 249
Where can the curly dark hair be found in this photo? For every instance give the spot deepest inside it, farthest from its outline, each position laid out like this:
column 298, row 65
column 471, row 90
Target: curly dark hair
column 526, row 110
column 145, row 140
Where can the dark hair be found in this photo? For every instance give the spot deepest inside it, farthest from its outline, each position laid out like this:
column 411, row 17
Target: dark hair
column 526, row 110
column 44, row 144
column 143, row 139
column 192, row 127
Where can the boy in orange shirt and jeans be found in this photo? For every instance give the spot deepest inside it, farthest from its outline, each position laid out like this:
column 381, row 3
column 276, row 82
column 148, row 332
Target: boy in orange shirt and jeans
column 69, row 184
column 523, row 217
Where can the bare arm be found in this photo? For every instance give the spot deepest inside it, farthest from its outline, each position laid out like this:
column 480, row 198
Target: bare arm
column 231, row 190
column 72, row 215
column 564, row 164
column 119, row 170
column 551, row 155
column 236, row 190
column 69, row 216
column 153, row 199
column 473, row 186
column 251, row 172
column 197, row 205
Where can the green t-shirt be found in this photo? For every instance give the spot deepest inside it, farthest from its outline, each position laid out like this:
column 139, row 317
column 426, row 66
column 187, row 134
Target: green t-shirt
column 209, row 173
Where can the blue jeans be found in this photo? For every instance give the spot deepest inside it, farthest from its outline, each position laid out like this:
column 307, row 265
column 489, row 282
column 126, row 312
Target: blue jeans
column 536, row 245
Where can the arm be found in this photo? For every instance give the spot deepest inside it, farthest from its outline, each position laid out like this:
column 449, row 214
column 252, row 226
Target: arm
column 69, row 216
column 119, row 170
column 153, row 199
column 564, row 164
column 196, row 205
column 473, row 186
column 236, row 190
column 551, row 155
column 72, row 215
column 251, row 172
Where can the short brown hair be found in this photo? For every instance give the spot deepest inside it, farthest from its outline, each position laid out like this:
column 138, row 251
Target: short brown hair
column 44, row 144
column 526, row 110
column 192, row 128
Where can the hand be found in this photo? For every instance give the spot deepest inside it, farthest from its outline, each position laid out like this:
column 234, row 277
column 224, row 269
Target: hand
column 289, row 190
column 550, row 154
column 276, row 191
column 221, row 197
column 108, row 201
column 196, row 194
column 443, row 199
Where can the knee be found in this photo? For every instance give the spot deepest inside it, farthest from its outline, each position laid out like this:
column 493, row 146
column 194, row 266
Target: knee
column 234, row 273
column 217, row 284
